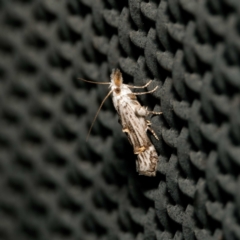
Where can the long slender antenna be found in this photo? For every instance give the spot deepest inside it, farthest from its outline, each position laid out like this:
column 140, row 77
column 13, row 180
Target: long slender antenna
column 98, row 112
column 84, row 80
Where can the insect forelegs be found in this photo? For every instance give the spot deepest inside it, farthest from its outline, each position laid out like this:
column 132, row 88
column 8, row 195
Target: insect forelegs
column 142, row 93
column 130, row 86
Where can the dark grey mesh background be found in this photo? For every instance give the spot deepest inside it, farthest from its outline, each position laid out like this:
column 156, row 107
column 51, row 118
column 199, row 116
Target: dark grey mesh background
column 54, row 184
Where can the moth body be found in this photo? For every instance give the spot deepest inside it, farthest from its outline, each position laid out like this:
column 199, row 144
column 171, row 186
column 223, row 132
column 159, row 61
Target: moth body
column 132, row 117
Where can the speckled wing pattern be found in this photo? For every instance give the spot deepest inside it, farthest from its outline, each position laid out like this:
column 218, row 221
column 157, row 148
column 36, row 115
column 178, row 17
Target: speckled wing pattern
column 132, row 117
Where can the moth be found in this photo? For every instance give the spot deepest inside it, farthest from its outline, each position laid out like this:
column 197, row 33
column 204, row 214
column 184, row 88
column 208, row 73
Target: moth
column 132, row 117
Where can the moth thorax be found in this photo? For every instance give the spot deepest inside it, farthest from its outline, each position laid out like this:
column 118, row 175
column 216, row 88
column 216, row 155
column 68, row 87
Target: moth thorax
column 117, row 77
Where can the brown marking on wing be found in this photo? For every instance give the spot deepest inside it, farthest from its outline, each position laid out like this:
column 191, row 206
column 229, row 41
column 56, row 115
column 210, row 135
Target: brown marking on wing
column 117, row 90
column 138, row 150
column 125, row 130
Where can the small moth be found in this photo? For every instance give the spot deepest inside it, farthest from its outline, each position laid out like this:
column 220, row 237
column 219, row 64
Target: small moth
column 132, row 117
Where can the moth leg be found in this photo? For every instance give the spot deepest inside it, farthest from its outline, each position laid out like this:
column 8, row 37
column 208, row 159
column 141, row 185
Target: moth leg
column 142, row 93
column 155, row 113
column 152, row 131
column 130, row 86
column 148, row 123
column 143, row 112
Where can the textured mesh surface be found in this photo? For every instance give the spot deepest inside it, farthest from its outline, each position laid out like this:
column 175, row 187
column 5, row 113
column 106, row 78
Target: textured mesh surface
column 54, row 184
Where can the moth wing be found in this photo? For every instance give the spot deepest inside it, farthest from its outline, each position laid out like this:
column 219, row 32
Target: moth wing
column 134, row 126
column 147, row 162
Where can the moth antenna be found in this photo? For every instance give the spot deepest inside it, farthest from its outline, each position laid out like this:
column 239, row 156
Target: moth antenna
column 98, row 112
column 84, row 80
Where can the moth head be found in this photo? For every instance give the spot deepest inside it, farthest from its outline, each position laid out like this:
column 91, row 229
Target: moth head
column 116, row 77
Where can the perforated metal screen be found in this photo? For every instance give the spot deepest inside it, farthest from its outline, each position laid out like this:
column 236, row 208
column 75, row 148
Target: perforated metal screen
column 54, row 184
